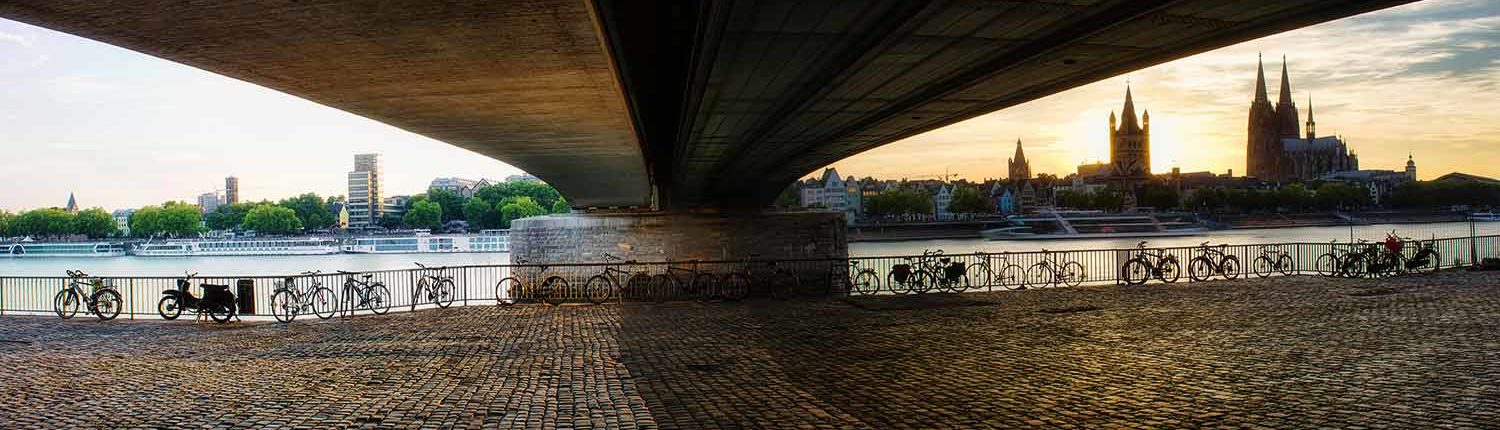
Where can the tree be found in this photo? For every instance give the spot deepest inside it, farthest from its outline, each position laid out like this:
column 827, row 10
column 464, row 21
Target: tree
column 561, row 206
column 1158, row 195
column 43, row 223
column 481, row 214
column 390, row 221
column 544, row 195
column 789, row 197
column 6, row 219
column 515, row 208
column 228, row 217
column 311, row 211
column 451, row 203
column 900, row 201
column 94, row 223
column 172, row 219
column 424, row 214
column 966, row 200
column 272, row 219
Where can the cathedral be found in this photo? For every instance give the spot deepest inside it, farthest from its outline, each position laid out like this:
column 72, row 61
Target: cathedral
column 1277, row 150
column 1130, row 144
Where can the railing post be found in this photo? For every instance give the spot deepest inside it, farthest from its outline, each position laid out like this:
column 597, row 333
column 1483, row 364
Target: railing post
column 2, row 297
column 1473, row 247
column 130, row 297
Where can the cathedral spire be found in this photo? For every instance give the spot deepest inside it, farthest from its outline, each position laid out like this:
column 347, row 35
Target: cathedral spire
column 1260, row 80
column 1312, row 126
column 1127, row 116
column 1286, row 85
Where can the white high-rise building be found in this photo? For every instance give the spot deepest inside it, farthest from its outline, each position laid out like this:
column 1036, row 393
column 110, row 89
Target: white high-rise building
column 365, row 203
column 208, row 202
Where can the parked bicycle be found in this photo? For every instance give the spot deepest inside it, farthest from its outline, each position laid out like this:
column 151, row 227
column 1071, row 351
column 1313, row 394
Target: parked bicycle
column 531, row 287
column 687, row 283
column 101, row 299
column 364, row 293
column 906, row 278
column 435, row 286
column 1150, row 263
column 1273, row 260
column 946, row 275
column 1213, row 261
column 1050, row 273
column 217, row 302
column 863, row 281
column 1335, row 262
column 982, row 272
column 289, row 301
column 1425, row 259
column 763, row 276
column 602, row 287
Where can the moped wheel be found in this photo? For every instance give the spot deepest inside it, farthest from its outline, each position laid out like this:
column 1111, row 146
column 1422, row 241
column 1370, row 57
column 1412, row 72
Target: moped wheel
column 598, row 289
column 107, row 304
column 170, row 307
column 1262, row 266
column 865, row 283
column 735, row 286
column 1286, row 265
column 66, row 303
column 323, row 302
column 1230, row 267
column 283, row 308
column 445, row 293
column 1199, row 269
column 221, row 313
column 507, row 291
column 379, row 300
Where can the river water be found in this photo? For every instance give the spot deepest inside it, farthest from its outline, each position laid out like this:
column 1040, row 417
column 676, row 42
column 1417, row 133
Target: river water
column 284, row 265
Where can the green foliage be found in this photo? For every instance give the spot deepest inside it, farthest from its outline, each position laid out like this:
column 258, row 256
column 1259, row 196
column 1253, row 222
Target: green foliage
column 561, row 206
column 1429, row 194
column 391, row 221
column 451, row 203
column 967, row 200
column 272, row 219
column 1107, row 199
column 424, row 214
column 789, row 197
column 1158, row 195
column 542, row 194
column 311, row 210
column 514, row 208
column 481, row 214
column 172, row 219
column 899, row 201
column 6, row 219
column 43, row 223
column 1333, row 195
column 94, row 223
column 228, row 217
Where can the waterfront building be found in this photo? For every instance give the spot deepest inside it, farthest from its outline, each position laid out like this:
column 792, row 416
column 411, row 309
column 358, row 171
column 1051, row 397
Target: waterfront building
column 940, row 201
column 522, row 178
column 208, row 202
column 1411, row 168
column 365, row 202
column 833, row 193
column 461, row 186
column 1276, row 150
column 1130, row 145
column 72, row 206
column 340, row 212
column 395, row 205
column 122, row 220
column 1006, row 203
column 231, row 190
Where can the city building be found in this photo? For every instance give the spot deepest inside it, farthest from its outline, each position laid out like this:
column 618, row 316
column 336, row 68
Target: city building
column 208, row 202
column 460, row 186
column 522, row 178
column 231, row 190
column 1276, row 150
column 1130, row 145
column 1019, row 168
column 122, row 220
column 340, row 213
column 833, row 193
column 1411, row 168
column 395, row 205
column 364, row 201
column 940, row 201
column 72, row 206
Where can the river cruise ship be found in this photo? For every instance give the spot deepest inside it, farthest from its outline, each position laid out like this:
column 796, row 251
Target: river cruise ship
column 237, row 247
column 422, row 243
column 1094, row 225
column 61, row 249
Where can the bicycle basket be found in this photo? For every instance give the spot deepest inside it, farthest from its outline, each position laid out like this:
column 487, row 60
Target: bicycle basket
column 901, row 272
column 954, row 272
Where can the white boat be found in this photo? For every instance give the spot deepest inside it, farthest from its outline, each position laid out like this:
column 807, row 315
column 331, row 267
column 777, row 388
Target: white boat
column 421, row 243
column 1484, row 216
column 1091, row 225
column 237, row 247
column 61, row 249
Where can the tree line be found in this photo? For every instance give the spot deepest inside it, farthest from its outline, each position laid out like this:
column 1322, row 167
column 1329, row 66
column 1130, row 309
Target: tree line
column 55, row 222
column 492, row 206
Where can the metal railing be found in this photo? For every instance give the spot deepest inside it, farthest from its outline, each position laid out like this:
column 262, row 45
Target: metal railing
column 711, row 280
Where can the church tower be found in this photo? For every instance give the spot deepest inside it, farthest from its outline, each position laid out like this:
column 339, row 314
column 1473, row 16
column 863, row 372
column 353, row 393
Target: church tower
column 1129, row 144
column 1411, row 168
column 1285, row 109
column 1263, row 146
column 1312, row 126
column 1020, row 169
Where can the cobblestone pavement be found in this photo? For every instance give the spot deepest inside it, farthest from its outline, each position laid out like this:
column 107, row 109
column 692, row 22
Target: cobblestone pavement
column 1278, row 353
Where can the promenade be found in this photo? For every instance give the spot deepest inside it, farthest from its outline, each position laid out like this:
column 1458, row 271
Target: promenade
column 1294, row 352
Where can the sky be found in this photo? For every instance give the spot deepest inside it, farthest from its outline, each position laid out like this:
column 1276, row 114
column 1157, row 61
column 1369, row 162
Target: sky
column 122, row 129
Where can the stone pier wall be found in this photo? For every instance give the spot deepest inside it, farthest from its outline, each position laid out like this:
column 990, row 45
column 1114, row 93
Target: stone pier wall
column 585, row 238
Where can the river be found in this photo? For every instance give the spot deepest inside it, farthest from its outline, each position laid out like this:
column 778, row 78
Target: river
column 283, row 265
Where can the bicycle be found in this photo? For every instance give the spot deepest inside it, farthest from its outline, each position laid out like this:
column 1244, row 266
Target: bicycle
column 603, row 286
column 947, row 275
column 511, row 289
column 1425, row 260
column 865, row 281
column 372, row 295
column 437, row 286
column 103, row 300
column 288, row 301
column 699, row 285
column 1049, row 272
column 1011, row 276
column 768, row 278
column 1150, row 263
column 1271, row 260
column 1213, row 261
column 905, row 278
column 1334, row 263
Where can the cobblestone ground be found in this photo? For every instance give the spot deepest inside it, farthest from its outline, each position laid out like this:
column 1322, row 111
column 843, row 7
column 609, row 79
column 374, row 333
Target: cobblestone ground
column 1280, row 353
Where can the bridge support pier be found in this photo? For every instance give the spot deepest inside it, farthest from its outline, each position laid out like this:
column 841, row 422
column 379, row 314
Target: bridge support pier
column 656, row 236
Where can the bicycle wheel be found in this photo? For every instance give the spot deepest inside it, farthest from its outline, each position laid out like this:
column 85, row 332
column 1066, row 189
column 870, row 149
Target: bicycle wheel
column 323, row 302
column 638, row 287
column 445, row 293
column 283, row 308
column 1327, row 265
column 1426, row 261
column 1200, row 268
column 66, row 303
column 1012, row 277
column 379, row 300
column 1169, row 270
column 956, row 284
column 1286, row 265
column 1135, row 271
column 1262, row 266
column 598, row 289
column 107, row 304
column 1040, row 276
column 921, row 282
column 1230, row 267
column 555, row 290
column 170, row 307
column 507, row 291
column 782, row 284
column 1073, row 274
column 899, row 286
column 1353, row 266
column 663, row 288
column 865, row 283
column 705, row 287
column 735, row 286
column 980, row 276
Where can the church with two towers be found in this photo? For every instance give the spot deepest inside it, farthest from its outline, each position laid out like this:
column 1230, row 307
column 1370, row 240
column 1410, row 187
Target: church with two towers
column 1277, row 149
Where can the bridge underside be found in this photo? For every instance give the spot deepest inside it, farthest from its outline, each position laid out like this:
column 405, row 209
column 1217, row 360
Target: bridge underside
column 674, row 104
